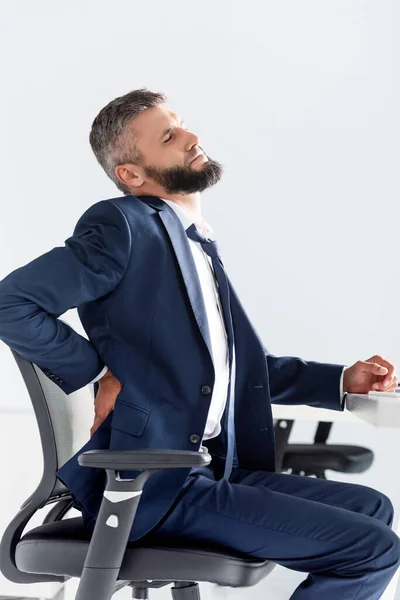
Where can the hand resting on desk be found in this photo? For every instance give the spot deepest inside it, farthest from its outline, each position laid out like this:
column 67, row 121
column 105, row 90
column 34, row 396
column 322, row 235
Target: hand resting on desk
column 374, row 374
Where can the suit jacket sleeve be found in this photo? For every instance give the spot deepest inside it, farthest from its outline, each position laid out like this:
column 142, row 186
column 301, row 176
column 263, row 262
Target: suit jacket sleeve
column 295, row 381
column 89, row 266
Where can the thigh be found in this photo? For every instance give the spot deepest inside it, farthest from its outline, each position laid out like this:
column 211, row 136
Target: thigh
column 296, row 532
column 356, row 498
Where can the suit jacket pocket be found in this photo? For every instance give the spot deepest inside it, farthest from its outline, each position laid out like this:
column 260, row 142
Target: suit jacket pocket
column 130, row 418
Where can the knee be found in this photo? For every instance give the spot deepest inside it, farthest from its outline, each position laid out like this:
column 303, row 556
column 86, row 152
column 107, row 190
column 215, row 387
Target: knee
column 376, row 547
column 384, row 508
column 392, row 554
column 377, row 505
column 381, row 546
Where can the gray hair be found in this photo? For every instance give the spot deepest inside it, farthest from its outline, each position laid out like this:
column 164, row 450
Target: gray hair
column 108, row 138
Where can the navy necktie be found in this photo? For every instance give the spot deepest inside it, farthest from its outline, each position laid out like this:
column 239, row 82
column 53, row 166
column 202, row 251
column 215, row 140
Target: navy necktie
column 211, row 249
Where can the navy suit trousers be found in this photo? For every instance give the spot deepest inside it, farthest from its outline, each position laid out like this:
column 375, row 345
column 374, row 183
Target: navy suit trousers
column 338, row 533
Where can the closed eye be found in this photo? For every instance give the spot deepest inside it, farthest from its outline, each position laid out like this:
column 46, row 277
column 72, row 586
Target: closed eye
column 182, row 125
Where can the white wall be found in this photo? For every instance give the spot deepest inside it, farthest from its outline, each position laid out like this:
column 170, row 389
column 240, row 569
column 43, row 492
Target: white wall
column 299, row 101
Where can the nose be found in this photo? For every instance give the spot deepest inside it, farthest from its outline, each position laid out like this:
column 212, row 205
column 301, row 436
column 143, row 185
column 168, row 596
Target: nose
column 192, row 140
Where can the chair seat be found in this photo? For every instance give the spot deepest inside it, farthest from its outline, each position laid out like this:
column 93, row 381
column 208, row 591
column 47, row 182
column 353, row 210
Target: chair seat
column 345, row 459
column 60, row 548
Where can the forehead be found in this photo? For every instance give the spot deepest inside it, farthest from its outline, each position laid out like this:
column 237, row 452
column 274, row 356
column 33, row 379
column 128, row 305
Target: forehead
column 151, row 123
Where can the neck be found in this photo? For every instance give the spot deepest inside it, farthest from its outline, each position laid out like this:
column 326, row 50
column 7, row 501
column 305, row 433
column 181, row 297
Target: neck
column 190, row 202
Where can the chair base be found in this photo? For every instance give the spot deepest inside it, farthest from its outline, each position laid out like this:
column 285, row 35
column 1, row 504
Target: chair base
column 139, row 593
column 186, row 591
column 183, row 590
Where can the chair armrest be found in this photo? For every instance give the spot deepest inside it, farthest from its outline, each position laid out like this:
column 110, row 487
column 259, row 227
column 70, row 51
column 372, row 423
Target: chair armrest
column 132, row 460
column 118, row 509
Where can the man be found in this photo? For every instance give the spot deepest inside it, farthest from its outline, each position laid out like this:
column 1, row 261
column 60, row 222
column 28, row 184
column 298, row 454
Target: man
column 177, row 364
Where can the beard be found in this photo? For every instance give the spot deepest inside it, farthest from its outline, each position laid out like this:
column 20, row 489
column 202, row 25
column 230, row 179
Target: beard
column 185, row 180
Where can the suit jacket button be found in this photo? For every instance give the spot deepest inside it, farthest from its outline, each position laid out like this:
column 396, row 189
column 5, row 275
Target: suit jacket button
column 206, row 390
column 194, row 438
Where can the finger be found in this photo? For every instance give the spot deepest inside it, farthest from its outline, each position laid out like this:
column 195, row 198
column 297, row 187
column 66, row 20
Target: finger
column 97, row 422
column 381, row 360
column 392, row 388
column 392, row 385
column 390, row 380
column 391, row 370
column 102, row 409
column 373, row 367
column 390, row 376
column 380, row 386
column 102, row 414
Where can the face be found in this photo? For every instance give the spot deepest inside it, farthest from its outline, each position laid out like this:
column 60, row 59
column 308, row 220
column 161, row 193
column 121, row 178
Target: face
column 171, row 155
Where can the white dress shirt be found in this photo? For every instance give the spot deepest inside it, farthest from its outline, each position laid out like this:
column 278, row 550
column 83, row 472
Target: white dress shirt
column 216, row 325
column 218, row 335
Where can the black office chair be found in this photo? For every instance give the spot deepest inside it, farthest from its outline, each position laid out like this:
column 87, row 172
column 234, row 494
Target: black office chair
column 315, row 459
column 63, row 548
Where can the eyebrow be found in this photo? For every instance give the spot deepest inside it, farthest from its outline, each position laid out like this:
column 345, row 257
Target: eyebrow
column 168, row 131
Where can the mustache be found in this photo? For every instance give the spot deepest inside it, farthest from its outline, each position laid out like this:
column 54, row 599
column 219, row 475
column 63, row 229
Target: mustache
column 195, row 154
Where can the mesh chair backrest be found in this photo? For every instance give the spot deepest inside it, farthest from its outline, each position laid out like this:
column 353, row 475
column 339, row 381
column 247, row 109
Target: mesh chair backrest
column 64, row 420
column 71, row 416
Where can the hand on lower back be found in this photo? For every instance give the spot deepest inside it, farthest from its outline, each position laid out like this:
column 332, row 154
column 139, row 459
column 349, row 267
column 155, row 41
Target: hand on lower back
column 109, row 388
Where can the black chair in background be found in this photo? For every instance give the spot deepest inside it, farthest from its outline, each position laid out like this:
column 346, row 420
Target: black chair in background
column 318, row 457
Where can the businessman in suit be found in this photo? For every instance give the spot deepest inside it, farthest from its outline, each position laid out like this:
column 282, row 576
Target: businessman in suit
column 177, row 364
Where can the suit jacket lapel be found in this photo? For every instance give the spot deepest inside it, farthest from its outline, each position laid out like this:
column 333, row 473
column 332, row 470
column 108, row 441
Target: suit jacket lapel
column 186, row 262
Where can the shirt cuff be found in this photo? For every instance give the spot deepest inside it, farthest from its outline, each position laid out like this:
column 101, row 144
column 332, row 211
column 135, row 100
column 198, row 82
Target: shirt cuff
column 99, row 376
column 342, row 394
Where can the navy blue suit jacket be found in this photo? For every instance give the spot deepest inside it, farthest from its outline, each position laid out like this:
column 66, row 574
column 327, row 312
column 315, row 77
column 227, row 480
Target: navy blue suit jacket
column 129, row 270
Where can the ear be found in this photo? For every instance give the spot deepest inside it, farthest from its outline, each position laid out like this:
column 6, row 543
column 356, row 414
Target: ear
column 130, row 174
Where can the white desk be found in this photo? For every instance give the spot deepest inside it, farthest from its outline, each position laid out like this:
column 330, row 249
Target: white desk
column 381, row 410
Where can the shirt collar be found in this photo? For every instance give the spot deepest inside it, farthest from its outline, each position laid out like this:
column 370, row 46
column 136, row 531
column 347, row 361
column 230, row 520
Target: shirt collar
column 187, row 220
